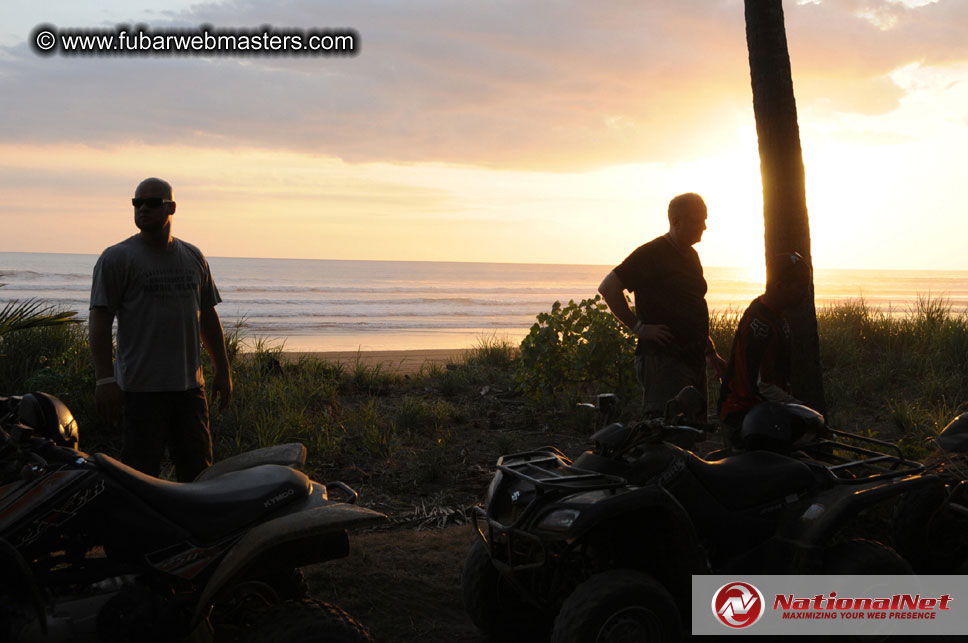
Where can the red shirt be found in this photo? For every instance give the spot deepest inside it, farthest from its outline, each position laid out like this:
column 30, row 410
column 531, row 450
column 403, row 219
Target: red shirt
column 761, row 351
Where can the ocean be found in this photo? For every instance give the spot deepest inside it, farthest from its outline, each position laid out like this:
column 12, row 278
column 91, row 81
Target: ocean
column 329, row 305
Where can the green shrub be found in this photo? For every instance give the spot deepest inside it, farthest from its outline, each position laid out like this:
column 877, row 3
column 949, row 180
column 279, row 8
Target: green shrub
column 576, row 351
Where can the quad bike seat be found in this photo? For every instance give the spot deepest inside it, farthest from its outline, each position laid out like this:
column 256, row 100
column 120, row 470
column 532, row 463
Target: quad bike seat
column 752, row 479
column 215, row 507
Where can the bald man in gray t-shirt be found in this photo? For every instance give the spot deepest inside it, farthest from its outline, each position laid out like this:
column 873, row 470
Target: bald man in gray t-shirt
column 161, row 291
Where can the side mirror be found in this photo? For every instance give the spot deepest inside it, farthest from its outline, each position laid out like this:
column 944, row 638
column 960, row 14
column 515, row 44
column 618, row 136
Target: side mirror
column 954, row 437
column 688, row 403
column 607, row 404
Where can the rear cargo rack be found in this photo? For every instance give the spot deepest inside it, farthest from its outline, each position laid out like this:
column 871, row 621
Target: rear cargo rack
column 848, row 460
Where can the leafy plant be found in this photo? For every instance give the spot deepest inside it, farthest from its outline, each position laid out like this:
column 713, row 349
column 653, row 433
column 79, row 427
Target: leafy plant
column 32, row 313
column 574, row 351
column 41, row 347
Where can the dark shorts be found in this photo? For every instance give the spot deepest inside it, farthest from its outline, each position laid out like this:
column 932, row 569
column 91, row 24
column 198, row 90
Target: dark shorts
column 177, row 420
column 662, row 377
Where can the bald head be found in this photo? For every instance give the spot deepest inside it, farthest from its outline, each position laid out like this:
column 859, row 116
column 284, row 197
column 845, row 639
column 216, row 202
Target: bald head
column 154, row 187
column 153, row 209
column 687, row 219
column 688, row 204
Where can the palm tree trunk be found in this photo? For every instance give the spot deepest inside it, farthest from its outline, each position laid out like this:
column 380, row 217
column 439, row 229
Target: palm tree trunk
column 787, row 228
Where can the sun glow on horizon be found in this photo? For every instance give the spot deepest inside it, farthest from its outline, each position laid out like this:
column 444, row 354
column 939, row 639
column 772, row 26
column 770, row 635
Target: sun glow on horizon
column 879, row 195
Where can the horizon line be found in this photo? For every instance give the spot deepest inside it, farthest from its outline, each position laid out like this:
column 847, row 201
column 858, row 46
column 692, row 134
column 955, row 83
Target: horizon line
column 493, row 263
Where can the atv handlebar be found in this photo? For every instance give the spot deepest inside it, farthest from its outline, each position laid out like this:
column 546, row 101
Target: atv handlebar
column 351, row 496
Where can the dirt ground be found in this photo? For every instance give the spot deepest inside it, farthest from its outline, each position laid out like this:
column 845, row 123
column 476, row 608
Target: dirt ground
column 402, row 584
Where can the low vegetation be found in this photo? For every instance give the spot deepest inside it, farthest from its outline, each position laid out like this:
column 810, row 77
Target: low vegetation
column 896, row 374
column 421, row 447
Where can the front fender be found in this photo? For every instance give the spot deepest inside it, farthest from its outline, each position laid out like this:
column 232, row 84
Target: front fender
column 292, row 455
column 648, row 510
column 832, row 508
column 296, row 529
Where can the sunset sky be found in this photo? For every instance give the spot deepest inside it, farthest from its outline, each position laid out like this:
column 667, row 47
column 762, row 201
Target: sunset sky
column 550, row 131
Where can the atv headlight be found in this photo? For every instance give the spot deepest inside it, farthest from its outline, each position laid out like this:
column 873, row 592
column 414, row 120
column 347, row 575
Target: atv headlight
column 559, row 520
column 590, row 497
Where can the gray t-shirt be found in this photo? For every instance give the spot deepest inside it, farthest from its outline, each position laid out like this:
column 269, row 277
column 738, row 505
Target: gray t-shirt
column 157, row 296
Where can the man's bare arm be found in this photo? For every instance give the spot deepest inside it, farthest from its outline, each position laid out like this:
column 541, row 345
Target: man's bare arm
column 714, row 359
column 210, row 327
column 107, row 396
column 613, row 291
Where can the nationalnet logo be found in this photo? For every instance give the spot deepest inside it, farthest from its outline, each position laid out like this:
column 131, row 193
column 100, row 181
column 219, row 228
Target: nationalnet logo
column 737, row 605
column 835, row 604
column 832, row 606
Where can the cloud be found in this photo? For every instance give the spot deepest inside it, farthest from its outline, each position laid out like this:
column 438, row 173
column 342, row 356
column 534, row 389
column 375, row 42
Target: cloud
column 548, row 84
column 844, row 51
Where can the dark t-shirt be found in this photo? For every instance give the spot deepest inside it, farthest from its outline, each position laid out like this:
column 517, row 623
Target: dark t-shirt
column 669, row 289
column 761, row 351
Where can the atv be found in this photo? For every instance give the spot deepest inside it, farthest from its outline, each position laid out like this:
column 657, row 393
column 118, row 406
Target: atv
column 603, row 548
column 93, row 550
column 930, row 524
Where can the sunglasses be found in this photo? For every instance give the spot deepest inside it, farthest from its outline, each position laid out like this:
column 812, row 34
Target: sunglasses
column 150, row 201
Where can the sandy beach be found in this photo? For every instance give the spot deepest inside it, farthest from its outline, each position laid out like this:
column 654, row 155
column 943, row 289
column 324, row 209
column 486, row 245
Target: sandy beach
column 402, row 362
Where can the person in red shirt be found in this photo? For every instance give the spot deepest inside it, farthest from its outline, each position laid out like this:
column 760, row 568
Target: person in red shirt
column 758, row 369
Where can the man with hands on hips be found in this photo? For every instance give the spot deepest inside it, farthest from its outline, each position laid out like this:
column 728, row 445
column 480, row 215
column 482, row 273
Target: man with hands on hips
column 671, row 318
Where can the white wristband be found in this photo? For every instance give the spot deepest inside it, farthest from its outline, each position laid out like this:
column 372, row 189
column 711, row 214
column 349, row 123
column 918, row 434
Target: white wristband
column 105, row 380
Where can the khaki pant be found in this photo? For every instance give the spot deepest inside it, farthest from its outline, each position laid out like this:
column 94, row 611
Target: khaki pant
column 662, row 377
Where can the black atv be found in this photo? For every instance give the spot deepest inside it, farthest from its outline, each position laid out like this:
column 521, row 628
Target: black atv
column 91, row 549
column 603, row 548
column 931, row 523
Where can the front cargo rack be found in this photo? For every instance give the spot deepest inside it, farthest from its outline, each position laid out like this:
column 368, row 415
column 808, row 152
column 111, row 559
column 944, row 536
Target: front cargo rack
column 549, row 472
column 549, row 469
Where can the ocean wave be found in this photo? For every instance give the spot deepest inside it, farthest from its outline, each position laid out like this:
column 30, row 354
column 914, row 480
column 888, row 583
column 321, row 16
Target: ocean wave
column 389, row 290
column 280, row 298
column 44, row 288
column 31, row 275
column 370, row 303
column 375, row 326
column 414, row 314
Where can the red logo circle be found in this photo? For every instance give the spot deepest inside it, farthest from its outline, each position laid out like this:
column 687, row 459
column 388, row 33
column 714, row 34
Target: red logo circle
column 737, row 605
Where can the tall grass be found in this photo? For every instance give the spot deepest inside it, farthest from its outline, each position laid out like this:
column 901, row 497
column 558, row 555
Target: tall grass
column 492, row 351
column 902, row 374
column 908, row 368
